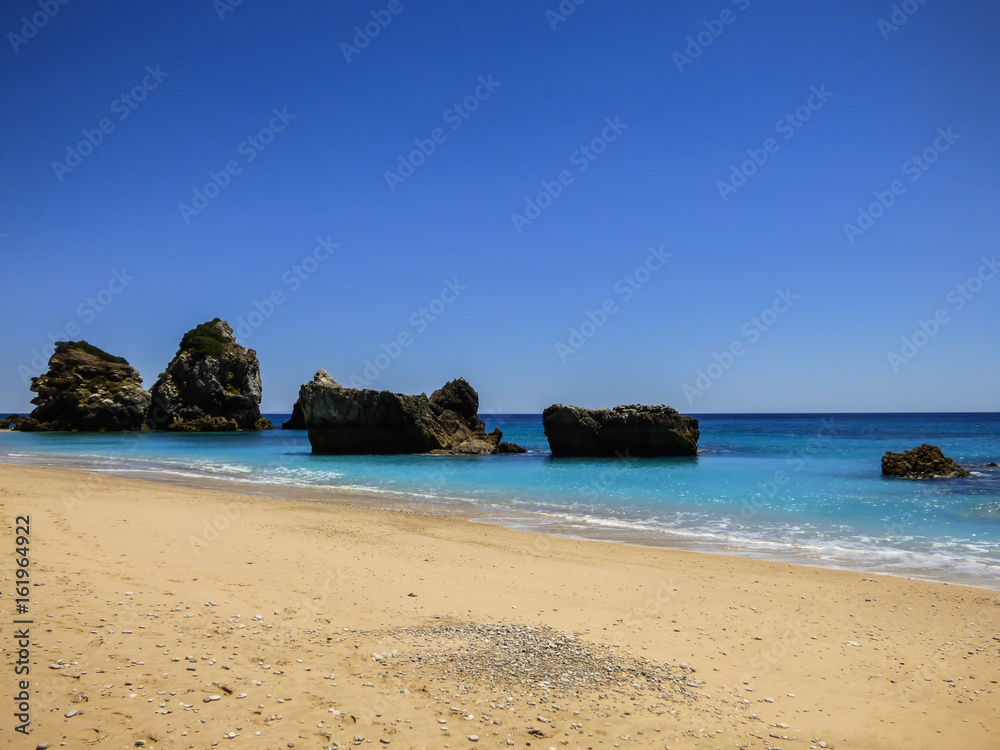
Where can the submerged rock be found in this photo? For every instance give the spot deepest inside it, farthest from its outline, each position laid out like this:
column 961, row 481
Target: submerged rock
column 85, row 389
column 211, row 385
column 506, row 447
column 634, row 430
column 923, row 462
column 352, row 421
column 296, row 421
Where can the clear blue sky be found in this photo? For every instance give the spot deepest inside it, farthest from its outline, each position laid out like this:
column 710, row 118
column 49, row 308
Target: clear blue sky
column 206, row 85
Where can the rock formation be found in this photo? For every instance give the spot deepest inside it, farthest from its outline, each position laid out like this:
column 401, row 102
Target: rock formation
column 12, row 421
column 623, row 431
column 923, row 462
column 212, row 384
column 352, row 421
column 296, row 421
column 86, row 389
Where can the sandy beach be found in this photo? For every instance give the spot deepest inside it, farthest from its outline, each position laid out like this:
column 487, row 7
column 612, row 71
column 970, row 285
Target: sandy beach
column 170, row 617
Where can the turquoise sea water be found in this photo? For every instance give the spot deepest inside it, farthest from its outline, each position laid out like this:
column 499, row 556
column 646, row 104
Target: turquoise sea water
column 805, row 488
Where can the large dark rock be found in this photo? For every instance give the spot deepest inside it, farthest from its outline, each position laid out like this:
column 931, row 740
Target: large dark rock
column 923, row 462
column 623, row 431
column 86, row 389
column 296, row 421
column 352, row 421
column 211, row 385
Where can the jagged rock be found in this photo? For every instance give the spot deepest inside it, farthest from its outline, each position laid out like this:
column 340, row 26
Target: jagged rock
column 12, row 421
column 296, row 421
column 923, row 462
column 634, row 430
column 352, row 421
column 992, row 464
column 211, row 385
column 86, row 389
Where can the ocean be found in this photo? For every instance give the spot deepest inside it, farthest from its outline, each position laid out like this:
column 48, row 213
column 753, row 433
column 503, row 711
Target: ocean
column 803, row 488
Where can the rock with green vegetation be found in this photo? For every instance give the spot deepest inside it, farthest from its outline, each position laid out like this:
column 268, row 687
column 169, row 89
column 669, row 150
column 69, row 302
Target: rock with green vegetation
column 12, row 421
column 211, row 385
column 923, row 462
column 88, row 390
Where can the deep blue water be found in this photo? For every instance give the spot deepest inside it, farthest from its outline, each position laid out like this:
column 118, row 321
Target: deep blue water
column 802, row 487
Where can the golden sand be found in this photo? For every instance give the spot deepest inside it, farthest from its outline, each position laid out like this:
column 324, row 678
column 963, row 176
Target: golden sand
column 193, row 618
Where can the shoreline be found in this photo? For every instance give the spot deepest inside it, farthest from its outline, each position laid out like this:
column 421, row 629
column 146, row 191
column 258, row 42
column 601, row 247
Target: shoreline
column 555, row 524
column 147, row 629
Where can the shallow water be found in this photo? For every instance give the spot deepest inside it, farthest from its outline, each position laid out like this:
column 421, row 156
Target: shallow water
column 805, row 488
